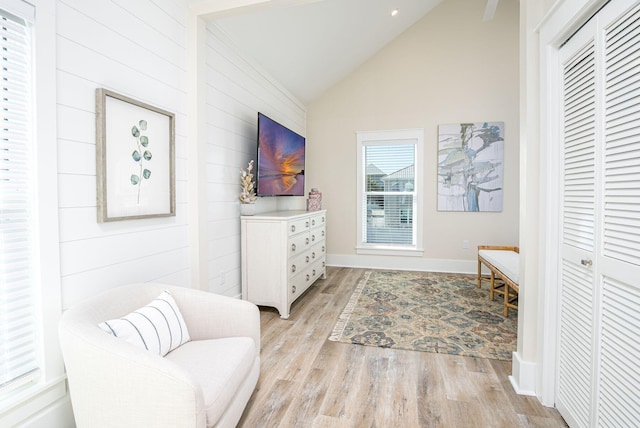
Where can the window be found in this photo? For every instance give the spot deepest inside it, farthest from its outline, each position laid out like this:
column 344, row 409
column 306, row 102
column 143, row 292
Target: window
column 18, row 354
column 31, row 368
column 389, row 192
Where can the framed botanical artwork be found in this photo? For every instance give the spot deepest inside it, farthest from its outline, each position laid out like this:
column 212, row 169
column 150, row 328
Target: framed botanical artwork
column 471, row 166
column 135, row 159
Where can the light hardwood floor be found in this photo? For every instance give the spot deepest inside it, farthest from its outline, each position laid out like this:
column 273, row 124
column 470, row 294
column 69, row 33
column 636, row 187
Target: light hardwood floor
column 308, row 381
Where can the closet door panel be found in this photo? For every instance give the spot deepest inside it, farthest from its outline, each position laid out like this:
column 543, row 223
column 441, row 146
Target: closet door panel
column 620, row 347
column 619, row 364
column 575, row 374
column 599, row 328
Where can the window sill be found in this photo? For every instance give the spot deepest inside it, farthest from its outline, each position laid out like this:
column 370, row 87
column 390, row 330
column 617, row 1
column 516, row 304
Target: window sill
column 382, row 250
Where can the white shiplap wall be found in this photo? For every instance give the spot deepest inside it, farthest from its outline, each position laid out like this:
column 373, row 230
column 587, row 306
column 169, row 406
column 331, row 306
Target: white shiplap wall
column 136, row 48
column 237, row 89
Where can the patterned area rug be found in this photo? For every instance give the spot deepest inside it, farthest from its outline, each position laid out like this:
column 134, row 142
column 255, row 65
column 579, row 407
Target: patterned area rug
column 430, row 312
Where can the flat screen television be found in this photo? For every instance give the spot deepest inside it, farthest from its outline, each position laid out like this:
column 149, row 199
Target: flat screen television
column 280, row 169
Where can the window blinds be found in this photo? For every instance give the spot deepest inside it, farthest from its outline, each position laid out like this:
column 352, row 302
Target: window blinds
column 19, row 359
column 389, row 194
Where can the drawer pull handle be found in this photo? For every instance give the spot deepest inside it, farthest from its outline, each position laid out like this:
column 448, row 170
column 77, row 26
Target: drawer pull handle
column 293, row 268
column 313, row 222
column 314, row 272
column 306, row 224
column 323, row 248
column 308, row 277
column 323, row 233
column 293, row 227
column 586, row 262
column 313, row 255
column 313, row 238
column 306, row 241
column 324, row 264
column 293, row 289
column 293, row 247
column 307, row 259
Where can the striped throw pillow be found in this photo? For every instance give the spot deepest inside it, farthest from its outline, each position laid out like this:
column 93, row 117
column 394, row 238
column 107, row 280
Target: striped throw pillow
column 157, row 327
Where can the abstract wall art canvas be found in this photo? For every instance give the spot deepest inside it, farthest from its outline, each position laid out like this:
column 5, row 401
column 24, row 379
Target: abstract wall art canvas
column 471, row 166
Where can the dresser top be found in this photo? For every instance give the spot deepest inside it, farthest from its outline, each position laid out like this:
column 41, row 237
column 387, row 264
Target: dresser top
column 287, row 214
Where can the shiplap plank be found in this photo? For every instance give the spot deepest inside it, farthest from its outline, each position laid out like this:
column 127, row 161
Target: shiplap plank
column 72, row 157
column 223, row 228
column 74, row 26
column 221, row 192
column 77, row 224
column 138, row 28
column 76, row 190
column 222, row 174
column 161, row 267
column 270, row 93
column 90, row 254
column 162, row 15
column 78, row 60
column 76, row 125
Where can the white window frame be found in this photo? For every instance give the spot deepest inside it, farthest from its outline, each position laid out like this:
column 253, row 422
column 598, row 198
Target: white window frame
column 28, row 402
column 390, row 137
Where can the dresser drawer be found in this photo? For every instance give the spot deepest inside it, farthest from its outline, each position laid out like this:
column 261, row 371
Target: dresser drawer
column 317, row 269
column 297, row 226
column 318, row 220
column 299, row 284
column 298, row 244
column 298, row 264
column 317, row 252
column 316, row 235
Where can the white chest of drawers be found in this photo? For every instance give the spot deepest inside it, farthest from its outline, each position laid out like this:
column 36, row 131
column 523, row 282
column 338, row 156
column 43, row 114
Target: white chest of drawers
column 283, row 253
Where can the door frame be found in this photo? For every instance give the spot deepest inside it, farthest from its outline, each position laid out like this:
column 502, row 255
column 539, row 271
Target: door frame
column 564, row 19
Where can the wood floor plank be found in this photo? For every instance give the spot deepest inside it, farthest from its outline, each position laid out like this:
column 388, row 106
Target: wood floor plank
column 308, row 399
column 458, row 385
column 431, row 394
column 347, row 369
column 308, row 381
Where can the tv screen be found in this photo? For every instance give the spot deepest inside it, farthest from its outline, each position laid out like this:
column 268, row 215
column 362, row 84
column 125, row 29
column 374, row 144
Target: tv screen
column 280, row 170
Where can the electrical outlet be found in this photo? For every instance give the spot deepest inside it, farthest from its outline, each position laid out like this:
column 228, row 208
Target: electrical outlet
column 465, row 244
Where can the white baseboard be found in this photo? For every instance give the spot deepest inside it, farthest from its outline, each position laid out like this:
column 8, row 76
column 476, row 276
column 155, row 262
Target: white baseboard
column 403, row 263
column 523, row 378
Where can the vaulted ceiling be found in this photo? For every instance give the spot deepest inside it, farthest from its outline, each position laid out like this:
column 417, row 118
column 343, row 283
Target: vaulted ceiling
column 311, row 45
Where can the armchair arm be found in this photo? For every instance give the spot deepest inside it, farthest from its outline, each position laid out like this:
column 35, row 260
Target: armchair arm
column 110, row 376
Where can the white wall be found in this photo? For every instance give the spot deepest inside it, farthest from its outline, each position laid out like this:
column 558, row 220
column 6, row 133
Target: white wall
column 137, row 49
column 237, row 89
column 449, row 67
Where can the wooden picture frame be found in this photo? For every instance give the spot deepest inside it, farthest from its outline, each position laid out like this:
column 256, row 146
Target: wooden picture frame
column 135, row 159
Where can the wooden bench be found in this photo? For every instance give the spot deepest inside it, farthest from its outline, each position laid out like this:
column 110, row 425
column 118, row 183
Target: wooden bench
column 503, row 263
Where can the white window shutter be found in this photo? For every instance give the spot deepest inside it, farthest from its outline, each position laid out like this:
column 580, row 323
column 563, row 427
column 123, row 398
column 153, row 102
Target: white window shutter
column 19, row 358
column 389, row 194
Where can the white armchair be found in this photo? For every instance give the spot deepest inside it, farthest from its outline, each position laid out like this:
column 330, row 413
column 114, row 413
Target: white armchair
column 206, row 382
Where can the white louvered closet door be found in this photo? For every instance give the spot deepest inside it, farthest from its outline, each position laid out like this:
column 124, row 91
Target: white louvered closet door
column 599, row 346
